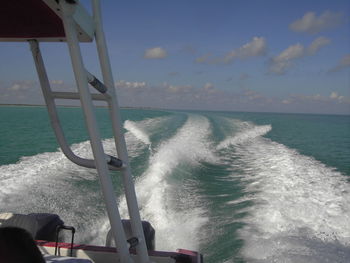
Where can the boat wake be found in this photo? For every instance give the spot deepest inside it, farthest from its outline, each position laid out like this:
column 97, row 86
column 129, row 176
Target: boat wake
column 202, row 185
column 247, row 133
column 301, row 208
column 136, row 130
column 169, row 205
column 50, row 183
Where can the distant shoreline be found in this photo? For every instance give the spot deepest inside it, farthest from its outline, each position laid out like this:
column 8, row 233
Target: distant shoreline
column 163, row 109
column 73, row 106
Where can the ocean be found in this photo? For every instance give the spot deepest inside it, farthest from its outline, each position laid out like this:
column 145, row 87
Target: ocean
column 238, row 187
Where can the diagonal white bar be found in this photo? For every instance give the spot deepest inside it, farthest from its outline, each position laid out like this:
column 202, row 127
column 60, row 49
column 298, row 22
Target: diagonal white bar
column 99, row 156
column 130, row 194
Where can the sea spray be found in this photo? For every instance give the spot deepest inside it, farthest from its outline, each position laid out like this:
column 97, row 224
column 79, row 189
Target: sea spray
column 137, row 131
column 176, row 226
column 301, row 207
column 247, row 134
column 50, row 183
column 237, row 202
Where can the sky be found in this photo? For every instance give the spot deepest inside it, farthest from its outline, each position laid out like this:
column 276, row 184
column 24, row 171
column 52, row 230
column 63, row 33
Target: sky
column 231, row 55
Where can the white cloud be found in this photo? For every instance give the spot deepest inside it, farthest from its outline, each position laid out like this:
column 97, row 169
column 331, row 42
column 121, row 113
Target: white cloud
column 21, row 86
column 209, row 96
column 256, row 47
column 343, row 63
column 317, row 44
column 155, row 53
column 341, row 99
column 317, row 103
column 178, row 89
column 292, row 52
column 21, row 92
column 130, row 84
column 208, row 86
column 334, row 95
column 313, row 24
column 253, row 95
column 15, row 87
column 280, row 63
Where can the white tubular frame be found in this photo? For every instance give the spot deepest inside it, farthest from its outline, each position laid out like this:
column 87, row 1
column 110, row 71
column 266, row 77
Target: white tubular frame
column 95, row 139
column 130, row 194
column 82, row 77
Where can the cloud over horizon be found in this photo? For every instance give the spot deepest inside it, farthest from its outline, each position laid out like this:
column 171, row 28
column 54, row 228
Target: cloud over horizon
column 155, row 53
column 280, row 63
column 343, row 63
column 312, row 24
column 317, row 44
column 203, row 97
column 256, row 47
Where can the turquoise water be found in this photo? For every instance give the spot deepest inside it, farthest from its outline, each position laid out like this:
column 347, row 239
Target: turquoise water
column 238, row 187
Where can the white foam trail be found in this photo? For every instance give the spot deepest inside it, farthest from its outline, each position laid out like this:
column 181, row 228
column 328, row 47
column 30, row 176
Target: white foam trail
column 151, row 125
column 137, row 131
column 247, row 134
column 172, row 209
column 302, row 208
column 42, row 184
column 50, row 183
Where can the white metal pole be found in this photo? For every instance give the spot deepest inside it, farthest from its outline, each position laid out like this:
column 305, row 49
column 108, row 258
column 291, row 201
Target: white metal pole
column 51, row 108
column 130, row 194
column 101, row 165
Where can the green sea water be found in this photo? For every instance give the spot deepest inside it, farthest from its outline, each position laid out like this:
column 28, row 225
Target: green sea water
column 238, row 187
